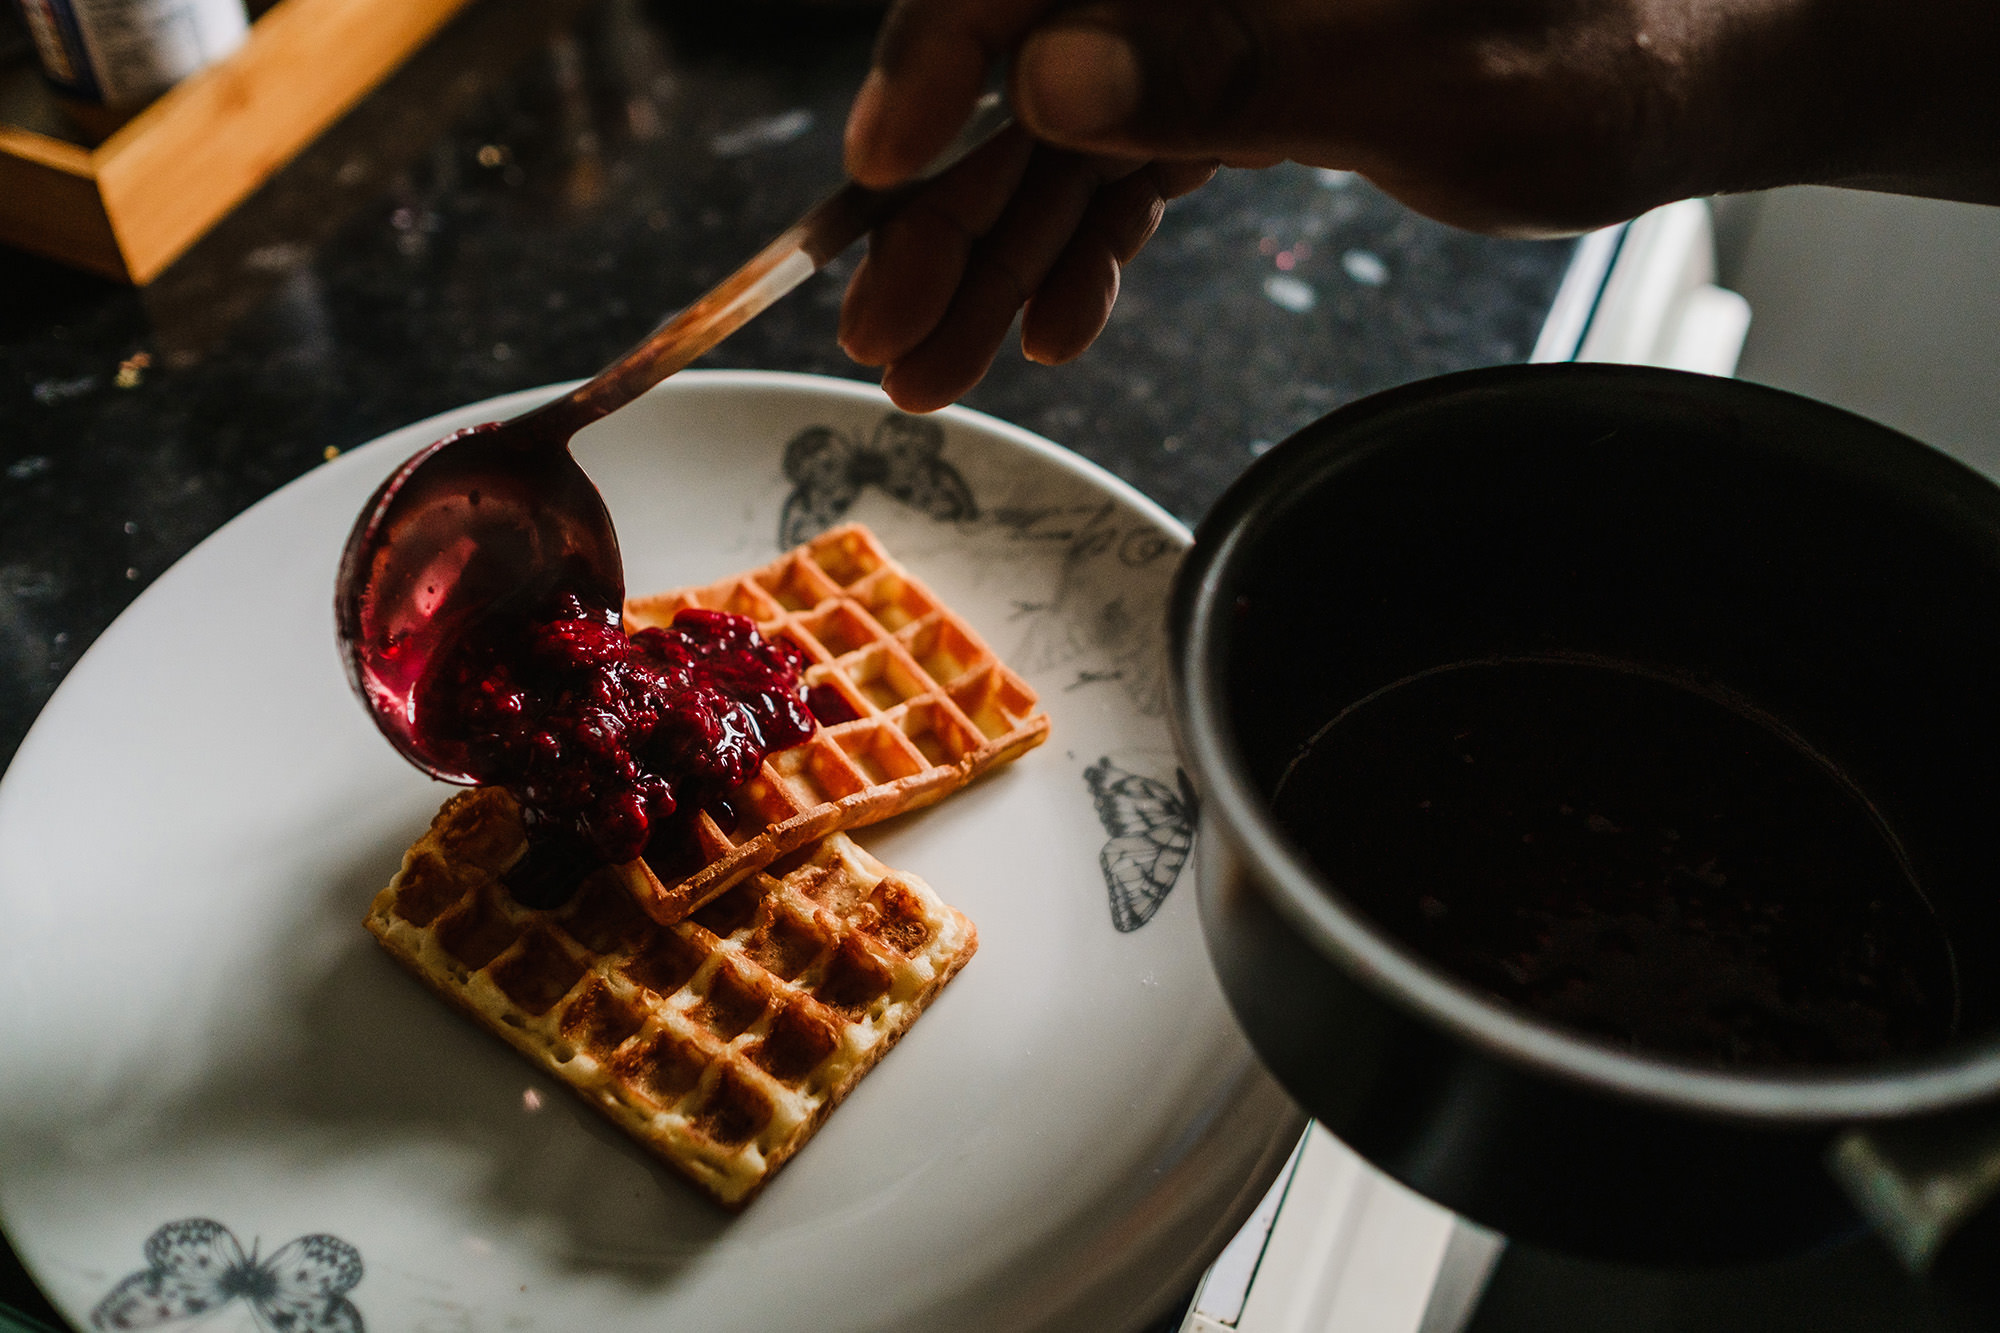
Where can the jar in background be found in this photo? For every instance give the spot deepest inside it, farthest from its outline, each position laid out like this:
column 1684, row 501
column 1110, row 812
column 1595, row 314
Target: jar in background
column 120, row 54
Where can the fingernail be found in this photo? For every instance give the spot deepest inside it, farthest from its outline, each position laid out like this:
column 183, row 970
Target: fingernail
column 1078, row 82
column 864, row 125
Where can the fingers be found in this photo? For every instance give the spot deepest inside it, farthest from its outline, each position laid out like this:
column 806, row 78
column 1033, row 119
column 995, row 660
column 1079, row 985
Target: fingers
column 1179, row 178
column 1074, row 304
column 934, row 300
column 1141, row 78
column 1070, row 308
column 1248, row 82
column 1153, row 79
column 915, row 260
column 1144, row 79
column 1000, row 275
column 930, row 66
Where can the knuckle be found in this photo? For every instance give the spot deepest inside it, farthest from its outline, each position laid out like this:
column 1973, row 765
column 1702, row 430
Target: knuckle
column 1127, row 216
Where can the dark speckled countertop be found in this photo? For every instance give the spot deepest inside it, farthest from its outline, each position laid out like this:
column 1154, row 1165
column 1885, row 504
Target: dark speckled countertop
column 538, row 188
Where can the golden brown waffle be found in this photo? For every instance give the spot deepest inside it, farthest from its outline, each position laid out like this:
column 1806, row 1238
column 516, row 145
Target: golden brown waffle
column 720, row 1043
column 934, row 707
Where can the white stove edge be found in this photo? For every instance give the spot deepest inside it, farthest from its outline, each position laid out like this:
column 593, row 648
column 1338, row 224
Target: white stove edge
column 1335, row 1244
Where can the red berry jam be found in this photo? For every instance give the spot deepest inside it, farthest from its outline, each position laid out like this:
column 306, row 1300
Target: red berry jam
column 612, row 744
column 830, row 706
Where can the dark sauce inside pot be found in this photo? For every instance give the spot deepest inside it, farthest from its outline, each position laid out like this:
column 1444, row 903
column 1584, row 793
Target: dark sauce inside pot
column 1629, row 856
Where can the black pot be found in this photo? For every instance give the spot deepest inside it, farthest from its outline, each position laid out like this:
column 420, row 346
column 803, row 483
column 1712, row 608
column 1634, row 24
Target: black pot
column 1841, row 576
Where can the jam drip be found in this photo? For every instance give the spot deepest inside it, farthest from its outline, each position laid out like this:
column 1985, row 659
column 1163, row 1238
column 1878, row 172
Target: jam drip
column 611, row 744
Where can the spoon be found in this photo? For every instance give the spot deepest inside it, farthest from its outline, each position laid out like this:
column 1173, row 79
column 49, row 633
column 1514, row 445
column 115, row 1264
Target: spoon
column 496, row 511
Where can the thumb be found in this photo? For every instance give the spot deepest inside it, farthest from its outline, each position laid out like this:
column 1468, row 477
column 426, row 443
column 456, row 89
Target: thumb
column 1157, row 78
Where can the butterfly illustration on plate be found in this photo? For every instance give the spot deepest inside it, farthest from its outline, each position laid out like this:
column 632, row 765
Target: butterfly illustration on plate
column 829, row 469
column 195, row 1266
column 1152, row 830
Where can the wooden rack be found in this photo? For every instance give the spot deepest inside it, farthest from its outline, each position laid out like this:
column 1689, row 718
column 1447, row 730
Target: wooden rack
column 130, row 206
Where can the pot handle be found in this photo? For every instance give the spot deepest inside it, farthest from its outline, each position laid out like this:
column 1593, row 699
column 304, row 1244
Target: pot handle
column 1919, row 1183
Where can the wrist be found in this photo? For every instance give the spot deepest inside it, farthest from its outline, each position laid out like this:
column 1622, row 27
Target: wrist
column 1859, row 93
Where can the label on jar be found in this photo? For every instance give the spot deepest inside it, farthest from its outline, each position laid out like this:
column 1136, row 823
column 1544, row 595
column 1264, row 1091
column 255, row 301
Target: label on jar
column 123, row 53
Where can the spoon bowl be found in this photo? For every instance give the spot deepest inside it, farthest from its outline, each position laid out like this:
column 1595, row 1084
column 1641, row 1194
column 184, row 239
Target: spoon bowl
column 483, row 515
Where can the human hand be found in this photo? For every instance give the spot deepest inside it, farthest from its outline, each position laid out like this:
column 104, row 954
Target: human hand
column 1018, row 227
column 1523, row 117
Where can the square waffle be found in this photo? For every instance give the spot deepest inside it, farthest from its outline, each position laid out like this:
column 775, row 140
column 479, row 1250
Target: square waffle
column 932, row 706
column 720, row 1042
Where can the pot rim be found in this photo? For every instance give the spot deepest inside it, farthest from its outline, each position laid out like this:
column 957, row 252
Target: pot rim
column 1911, row 1086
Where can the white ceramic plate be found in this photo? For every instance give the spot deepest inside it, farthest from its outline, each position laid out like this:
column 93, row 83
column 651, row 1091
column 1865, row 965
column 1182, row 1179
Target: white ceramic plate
column 193, row 1023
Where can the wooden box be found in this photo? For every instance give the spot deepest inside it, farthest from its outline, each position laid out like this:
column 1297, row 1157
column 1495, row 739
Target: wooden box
column 129, row 206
